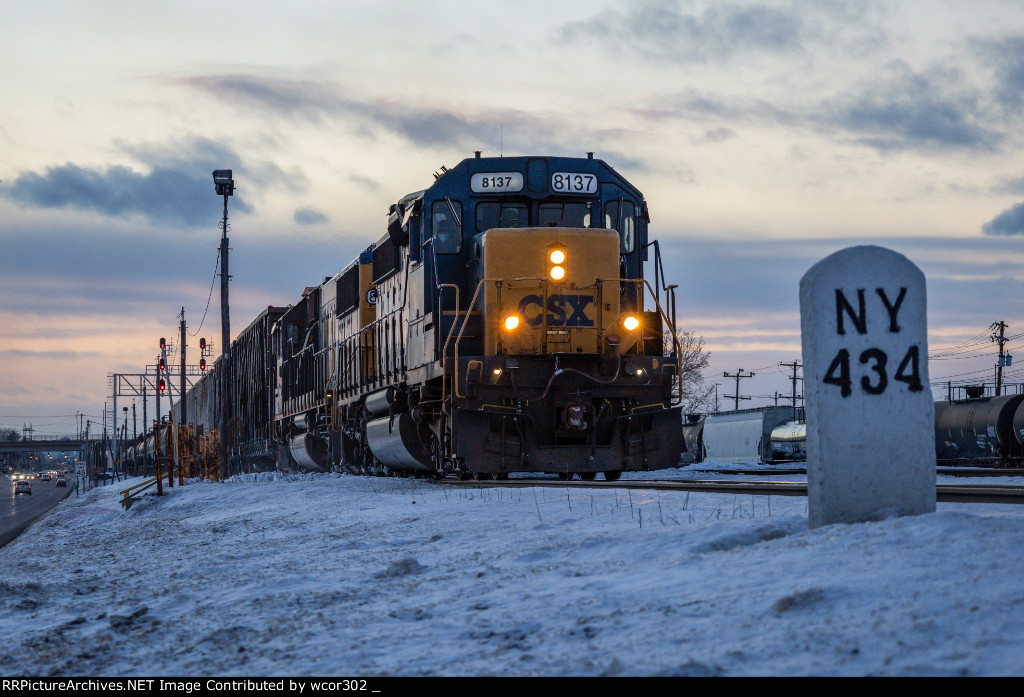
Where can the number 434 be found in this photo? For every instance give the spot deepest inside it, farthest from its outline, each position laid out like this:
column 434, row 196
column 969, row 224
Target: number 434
column 876, row 359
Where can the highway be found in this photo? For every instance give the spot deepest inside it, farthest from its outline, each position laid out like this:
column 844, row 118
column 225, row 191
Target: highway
column 19, row 511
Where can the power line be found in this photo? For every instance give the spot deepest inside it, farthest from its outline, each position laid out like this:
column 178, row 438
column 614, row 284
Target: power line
column 209, row 296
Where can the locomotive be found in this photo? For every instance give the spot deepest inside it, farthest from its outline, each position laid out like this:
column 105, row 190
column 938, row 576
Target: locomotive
column 502, row 323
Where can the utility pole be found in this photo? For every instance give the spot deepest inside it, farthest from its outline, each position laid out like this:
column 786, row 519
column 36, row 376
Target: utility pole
column 225, row 186
column 794, row 366
column 738, row 376
column 135, row 440
column 1001, row 340
column 156, row 422
column 145, row 421
column 181, row 395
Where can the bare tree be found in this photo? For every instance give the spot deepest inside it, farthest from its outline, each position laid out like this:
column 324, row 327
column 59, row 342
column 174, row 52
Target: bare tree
column 693, row 361
column 9, row 435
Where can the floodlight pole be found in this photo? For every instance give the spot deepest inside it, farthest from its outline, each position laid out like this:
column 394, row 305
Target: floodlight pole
column 225, row 185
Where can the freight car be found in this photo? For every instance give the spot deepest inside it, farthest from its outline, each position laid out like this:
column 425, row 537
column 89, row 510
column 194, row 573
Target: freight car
column 763, row 434
column 987, row 431
column 502, row 323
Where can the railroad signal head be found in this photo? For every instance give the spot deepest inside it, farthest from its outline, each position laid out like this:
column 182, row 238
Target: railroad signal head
column 202, row 343
column 202, row 364
column 163, row 343
column 162, row 385
column 161, row 365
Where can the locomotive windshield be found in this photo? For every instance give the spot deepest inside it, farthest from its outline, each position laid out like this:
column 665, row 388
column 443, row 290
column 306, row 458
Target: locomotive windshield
column 620, row 215
column 492, row 214
column 446, row 219
column 569, row 214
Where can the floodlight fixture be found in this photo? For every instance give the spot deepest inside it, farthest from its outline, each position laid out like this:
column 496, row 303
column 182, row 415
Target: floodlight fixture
column 223, row 182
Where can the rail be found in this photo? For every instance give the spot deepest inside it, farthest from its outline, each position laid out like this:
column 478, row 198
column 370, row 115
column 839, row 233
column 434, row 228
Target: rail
column 128, row 498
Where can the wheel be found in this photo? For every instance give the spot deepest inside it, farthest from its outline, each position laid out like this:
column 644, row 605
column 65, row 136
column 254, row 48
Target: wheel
column 588, row 476
column 612, row 475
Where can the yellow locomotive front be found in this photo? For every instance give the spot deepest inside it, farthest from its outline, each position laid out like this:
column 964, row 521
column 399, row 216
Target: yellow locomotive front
column 572, row 378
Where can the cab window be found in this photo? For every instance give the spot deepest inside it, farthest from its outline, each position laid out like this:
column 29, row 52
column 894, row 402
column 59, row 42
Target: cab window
column 492, row 214
column 620, row 215
column 446, row 219
column 570, row 214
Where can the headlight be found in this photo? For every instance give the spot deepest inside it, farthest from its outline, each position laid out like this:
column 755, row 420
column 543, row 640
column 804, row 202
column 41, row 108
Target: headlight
column 557, row 273
column 631, row 323
column 557, row 256
column 511, row 322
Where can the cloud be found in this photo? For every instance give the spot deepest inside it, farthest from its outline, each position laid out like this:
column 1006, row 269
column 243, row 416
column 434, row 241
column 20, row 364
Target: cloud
column 176, row 186
column 662, row 30
column 923, row 110
column 417, row 120
column 309, row 215
column 715, row 135
column 55, row 355
column 899, row 109
column 324, row 103
column 1009, row 222
column 1009, row 185
column 365, row 182
column 1006, row 57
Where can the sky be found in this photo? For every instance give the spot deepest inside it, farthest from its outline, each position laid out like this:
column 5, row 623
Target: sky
column 345, row 576
column 764, row 135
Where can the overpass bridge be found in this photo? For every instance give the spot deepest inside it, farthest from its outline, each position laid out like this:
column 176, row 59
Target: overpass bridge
column 43, row 445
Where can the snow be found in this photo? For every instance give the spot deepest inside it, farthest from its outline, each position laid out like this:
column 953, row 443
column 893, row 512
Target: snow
column 332, row 574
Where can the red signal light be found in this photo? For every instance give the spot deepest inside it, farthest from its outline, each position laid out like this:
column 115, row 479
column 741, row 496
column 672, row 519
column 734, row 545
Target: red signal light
column 162, row 365
column 202, row 344
column 162, row 386
column 163, row 343
column 202, row 364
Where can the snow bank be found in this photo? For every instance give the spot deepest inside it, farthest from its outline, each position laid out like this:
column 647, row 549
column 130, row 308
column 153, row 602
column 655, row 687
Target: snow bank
column 333, row 574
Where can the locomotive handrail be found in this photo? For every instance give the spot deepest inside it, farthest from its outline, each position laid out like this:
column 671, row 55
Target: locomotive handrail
column 462, row 330
column 675, row 339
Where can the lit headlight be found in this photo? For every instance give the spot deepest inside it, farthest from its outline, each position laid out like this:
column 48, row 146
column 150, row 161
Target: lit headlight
column 557, row 256
column 557, row 273
column 511, row 322
column 631, row 323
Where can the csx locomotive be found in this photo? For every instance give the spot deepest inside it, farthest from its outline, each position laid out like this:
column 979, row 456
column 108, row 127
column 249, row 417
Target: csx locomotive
column 502, row 324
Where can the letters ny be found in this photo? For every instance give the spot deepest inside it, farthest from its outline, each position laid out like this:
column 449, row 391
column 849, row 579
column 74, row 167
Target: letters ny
column 859, row 316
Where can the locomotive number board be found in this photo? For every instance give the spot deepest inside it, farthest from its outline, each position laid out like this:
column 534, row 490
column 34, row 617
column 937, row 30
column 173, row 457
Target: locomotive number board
column 496, row 182
column 573, row 183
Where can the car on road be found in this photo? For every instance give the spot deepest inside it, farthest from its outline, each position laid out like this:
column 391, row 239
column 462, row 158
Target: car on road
column 61, row 482
column 46, row 477
column 23, row 486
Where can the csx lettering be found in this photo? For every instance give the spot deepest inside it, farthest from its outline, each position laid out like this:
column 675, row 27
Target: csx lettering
column 859, row 315
column 563, row 310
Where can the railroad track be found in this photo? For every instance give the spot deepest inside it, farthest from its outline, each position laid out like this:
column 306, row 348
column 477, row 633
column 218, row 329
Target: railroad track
column 951, row 471
column 947, row 493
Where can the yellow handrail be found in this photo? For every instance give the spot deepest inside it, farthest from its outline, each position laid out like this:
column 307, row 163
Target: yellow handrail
column 126, row 497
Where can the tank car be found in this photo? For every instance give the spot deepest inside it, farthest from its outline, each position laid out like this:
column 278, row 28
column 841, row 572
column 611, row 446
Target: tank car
column 502, row 323
column 979, row 432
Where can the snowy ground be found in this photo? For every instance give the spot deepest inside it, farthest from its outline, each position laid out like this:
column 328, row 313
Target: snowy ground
column 358, row 576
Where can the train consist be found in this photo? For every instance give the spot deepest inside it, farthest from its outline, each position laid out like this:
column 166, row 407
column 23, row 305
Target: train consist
column 502, row 323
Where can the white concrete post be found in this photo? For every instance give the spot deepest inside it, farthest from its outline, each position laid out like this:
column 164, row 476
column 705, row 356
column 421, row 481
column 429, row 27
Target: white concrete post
column 870, row 414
